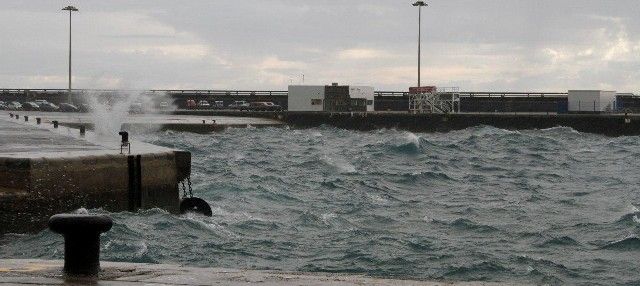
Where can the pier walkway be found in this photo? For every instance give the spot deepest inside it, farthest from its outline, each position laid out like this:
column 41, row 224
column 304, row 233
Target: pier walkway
column 49, row 272
column 154, row 121
column 46, row 170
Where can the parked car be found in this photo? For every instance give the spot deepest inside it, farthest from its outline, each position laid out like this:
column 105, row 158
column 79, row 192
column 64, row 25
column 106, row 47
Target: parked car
column 30, row 106
column 219, row 104
column 191, row 104
column 273, row 106
column 240, row 105
column 136, row 108
column 41, row 101
column 85, row 107
column 264, row 106
column 163, row 105
column 3, row 106
column 48, row 107
column 67, row 107
column 14, row 105
column 203, row 104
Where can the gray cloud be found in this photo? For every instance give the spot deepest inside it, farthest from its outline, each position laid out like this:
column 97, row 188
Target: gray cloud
column 501, row 45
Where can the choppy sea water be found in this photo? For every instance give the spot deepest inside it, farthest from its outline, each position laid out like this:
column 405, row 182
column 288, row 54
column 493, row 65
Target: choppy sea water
column 541, row 206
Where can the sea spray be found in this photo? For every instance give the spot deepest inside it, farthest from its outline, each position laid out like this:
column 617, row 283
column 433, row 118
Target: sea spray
column 110, row 111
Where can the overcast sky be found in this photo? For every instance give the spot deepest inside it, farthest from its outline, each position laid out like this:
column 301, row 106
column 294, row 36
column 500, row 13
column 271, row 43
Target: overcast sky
column 492, row 45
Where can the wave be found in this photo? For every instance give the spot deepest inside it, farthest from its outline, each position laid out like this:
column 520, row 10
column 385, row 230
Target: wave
column 409, row 143
column 630, row 218
column 466, row 224
column 477, row 271
column 339, row 164
column 629, row 243
column 559, row 241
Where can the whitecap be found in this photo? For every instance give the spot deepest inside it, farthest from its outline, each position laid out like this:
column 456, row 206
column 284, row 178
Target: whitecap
column 339, row 164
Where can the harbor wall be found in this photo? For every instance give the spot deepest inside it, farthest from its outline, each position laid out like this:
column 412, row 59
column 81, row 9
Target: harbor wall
column 607, row 124
column 32, row 189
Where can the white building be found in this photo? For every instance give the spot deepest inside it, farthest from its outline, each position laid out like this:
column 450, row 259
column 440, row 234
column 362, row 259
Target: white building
column 363, row 92
column 591, row 101
column 330, row 98
column 306, row 98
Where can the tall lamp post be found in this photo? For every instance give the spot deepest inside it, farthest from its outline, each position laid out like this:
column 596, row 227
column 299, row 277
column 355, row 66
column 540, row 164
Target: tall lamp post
column 419, row 4
column 70, row 9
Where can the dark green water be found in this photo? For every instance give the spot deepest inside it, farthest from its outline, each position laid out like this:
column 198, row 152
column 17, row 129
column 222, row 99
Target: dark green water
column 542, row 206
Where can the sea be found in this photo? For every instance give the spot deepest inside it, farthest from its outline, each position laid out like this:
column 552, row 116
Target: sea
column 552, row 206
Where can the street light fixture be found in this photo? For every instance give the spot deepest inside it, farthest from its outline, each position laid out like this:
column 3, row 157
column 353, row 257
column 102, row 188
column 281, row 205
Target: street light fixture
column 419, row 4
column 70, row 9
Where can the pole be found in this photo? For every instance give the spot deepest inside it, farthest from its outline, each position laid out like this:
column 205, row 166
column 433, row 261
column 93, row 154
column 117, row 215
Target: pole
column 69, row 96
column 419, row 40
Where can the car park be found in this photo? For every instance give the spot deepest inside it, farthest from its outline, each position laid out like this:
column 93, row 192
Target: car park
column 30, row 106
column 191, row 104
column 264, row 106
column 67, row 107
column 240, row 105
column 46, row 106
column 203, row 104
column 83, row 107
column 14, row 105
column 273, row 107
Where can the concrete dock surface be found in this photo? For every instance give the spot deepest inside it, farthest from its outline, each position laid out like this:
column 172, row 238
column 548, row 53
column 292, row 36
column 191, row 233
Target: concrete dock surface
column 161, row 121
column 46, row 170
column 49, row 272
column 20, row 139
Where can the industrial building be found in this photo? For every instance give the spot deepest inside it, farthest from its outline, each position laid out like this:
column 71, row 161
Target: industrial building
column 333, row 98
column 591, row 101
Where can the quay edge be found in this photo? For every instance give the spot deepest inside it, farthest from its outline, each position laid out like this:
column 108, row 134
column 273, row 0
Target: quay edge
column 605, row 124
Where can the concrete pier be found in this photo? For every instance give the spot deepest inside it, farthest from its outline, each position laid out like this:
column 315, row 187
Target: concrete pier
column 606, row 124
column 46, row 170
column 49, row 272
column 140, row 122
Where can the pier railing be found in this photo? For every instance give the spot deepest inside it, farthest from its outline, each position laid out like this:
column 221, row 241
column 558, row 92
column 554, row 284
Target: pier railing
column 481, row 94
column 213, row 92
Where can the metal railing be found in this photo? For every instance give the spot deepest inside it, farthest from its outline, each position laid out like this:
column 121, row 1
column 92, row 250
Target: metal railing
column 152, row 91
column 270, row 92
column 482, row 94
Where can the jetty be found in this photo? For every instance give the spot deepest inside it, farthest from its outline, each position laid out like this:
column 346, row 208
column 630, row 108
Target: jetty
column 160, row 121
column 49, row 272
column 46, row 169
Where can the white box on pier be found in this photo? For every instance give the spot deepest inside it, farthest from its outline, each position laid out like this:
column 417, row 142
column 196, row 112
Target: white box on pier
column 591, row 101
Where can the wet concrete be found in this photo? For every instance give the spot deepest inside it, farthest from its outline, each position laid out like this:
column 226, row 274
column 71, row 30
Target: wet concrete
column 46, row 170
column 49, row 272
column 166, row 121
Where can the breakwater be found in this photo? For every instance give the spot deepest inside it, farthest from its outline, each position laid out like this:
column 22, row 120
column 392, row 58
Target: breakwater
column 46, row 170
column 607, row 124
column 613, row 125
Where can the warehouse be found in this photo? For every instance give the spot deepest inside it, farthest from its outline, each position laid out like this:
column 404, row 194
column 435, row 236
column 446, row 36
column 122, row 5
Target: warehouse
column 333, row 98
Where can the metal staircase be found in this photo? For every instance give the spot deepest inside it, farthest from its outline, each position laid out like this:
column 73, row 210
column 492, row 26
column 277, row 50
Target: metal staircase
column 445, row 100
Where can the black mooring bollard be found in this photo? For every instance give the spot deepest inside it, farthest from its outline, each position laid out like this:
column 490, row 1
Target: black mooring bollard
column 204, row 122
column 82, row 130
column 38, row 120
column 81, row 240
column 26, row 118
column 17, row 116
column 55, row 123
column 11, row 115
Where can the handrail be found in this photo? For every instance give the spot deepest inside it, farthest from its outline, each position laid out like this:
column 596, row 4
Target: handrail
column 270, row 92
